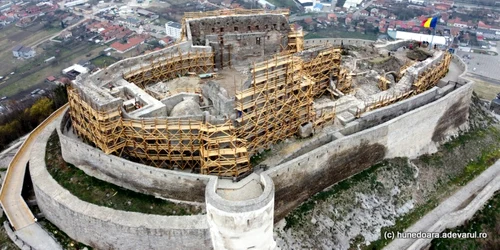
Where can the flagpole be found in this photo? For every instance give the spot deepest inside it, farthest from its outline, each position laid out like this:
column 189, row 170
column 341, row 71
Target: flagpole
column 432, row 37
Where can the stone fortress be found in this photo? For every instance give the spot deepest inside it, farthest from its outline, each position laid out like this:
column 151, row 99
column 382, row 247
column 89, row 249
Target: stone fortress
column 182, row 124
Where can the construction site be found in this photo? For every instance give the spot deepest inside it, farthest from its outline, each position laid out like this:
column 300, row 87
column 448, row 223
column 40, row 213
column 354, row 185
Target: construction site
column 242, row 120
column 239, row 82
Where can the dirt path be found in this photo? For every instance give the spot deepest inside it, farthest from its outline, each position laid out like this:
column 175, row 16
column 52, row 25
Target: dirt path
column 50, row 37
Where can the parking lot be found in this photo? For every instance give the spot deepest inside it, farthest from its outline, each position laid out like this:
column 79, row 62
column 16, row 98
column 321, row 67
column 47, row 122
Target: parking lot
column 481, row 64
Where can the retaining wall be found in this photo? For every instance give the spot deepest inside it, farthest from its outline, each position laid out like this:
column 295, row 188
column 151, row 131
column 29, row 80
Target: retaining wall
column 412, row 134
column 141, row 178
column 105, row 228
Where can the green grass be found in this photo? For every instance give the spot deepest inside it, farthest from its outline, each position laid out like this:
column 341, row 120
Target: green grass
column 487, row 157
column 103, row 61
column 35, row 70
column 259, row 157
column 487, row 220
column 464, row 138
column 102, row 193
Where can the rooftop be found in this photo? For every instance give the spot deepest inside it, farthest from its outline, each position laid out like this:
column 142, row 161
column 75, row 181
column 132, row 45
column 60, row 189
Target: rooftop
column 174, row 25
column 132, row 42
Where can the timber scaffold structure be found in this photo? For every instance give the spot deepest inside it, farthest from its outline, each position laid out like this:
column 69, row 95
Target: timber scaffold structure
column 425, row 81
column 162, row 142
column 275, row 106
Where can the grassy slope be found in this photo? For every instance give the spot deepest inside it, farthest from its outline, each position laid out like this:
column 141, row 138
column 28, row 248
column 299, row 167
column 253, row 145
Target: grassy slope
column 485, row 221
column 105, row 194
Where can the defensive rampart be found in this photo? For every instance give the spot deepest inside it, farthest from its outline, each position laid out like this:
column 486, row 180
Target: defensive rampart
column 134, row 176
column 411, row 134
column 105, row 228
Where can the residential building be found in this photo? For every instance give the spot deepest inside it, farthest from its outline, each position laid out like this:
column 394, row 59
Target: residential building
column 165, row 41
column 17, row 50
column 23, row 52
column 27, row 52
column 173, row 29
column 130, row 44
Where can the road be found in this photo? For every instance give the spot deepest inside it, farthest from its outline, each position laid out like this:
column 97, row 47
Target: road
column 50, row 37
column 453, row 72
column 357, row 12
column 488, row 180
column 14, row 206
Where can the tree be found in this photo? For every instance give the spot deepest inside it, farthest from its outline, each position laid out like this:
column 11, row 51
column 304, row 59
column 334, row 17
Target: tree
column 59, row 96
column 41, row 110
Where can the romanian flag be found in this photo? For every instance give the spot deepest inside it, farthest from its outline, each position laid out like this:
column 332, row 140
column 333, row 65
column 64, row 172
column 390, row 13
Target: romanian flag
column 430, row 22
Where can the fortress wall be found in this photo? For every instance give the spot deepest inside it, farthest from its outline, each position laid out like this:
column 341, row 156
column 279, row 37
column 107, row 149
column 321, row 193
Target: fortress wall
column 159, row 182
column 357, row 42
column 338, row 41
column 457, row 60
column 429, row 125
column 105, row 228
column 115, row 70
column 246, row 224
column 223, row 104
column 384, row 114
column 235, row 39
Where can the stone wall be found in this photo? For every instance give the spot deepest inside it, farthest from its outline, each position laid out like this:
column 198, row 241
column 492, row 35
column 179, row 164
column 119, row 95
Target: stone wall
column 384, row 114
column 235, row 39
column 458, row 61
column 414, row 133
column 246, row 224
column 115, row 70
column 338, row 41
column 141, row 178
column 106, row 228
column 458, row 217
column 218, row 96
column 171, row 101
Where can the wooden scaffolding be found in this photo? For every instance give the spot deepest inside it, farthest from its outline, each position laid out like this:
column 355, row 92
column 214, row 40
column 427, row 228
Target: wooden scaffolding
column 426, row 80
column 222, row 152
column 323, row 67
column 432, row 75
column 276, row 104
column 170, row 67
column 166, row 143
column 102, row 128
column 295, row 41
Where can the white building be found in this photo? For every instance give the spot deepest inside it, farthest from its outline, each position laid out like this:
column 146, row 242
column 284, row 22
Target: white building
column 418, row 2
column 410, row 36
column 173, row 29
column 75, row 3
column 23, row 52
column 76, row 68
column 352, row 3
